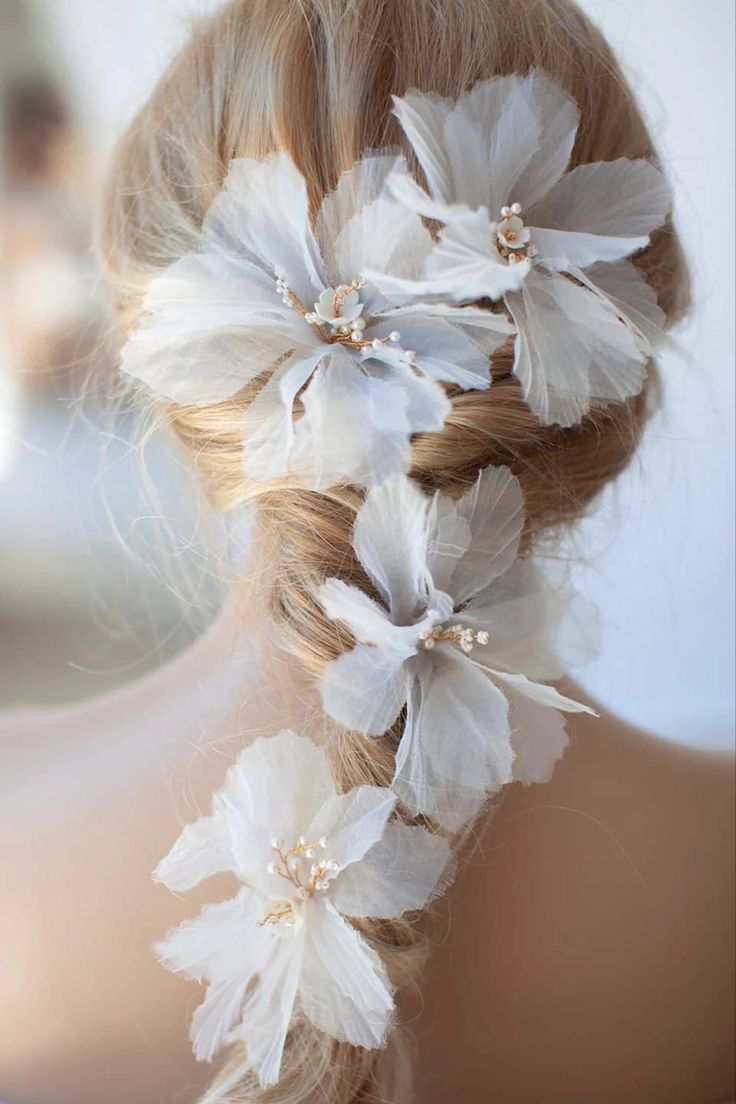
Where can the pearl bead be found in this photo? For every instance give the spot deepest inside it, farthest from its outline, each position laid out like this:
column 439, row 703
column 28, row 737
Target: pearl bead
column 516, row 208
column 505, row 211
column 359, row 324
column 394, row 336
column 356, row 335
column 376, row 343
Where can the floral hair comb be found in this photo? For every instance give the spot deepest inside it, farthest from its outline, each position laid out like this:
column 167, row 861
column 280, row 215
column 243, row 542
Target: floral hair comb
column 351, row 328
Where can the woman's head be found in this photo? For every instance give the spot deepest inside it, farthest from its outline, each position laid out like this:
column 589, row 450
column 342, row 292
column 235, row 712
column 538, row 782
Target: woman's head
column 315, row 78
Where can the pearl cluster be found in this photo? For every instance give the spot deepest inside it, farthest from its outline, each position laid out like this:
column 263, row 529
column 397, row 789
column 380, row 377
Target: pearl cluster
column 455, row 634
column 289, row 864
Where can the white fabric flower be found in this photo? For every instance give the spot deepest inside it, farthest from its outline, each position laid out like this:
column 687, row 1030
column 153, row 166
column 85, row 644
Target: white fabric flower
column 307, row 858
column 459, row 638
column 266, row 290
column 518, row 227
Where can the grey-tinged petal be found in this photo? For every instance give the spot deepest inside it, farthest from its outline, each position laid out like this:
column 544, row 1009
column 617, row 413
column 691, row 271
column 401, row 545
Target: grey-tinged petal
column 564, row 250
column 380, row 235
column 356, row 189
column 501, row 112
column 608, row 200
column 490, row 330
column 456, row 748
column 463, row 264
column 405, row 870
column 521, row 614
column 268, row 422
column 572, row 349
column 557, row 119
column 443, row 352
column 358, row 420
column 203, row 849
column 211, row 324
column 538, row 737
column 422, row 116
column 540, row 693
column 364, row 689
column 353, row 823
column 390, row 539
column 368, row 622
column 263, row 212
column 475, row 539
column 634, row 299
column 344, row 988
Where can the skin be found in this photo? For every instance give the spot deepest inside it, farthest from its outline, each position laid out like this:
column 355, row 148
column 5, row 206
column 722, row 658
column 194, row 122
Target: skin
column 587, row 949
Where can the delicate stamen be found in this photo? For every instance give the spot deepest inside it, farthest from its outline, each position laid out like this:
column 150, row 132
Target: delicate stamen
column 290, row 867
column 335, row 331
column 454, row 634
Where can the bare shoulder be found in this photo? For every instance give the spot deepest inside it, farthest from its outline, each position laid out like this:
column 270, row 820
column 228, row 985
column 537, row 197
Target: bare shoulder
column 589, row 948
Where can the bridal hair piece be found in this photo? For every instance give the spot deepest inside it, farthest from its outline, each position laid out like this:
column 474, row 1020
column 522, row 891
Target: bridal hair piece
column 395, row 272
column 308, row 858
column 461, row 625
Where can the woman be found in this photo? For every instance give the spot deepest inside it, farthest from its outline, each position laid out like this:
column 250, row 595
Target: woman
column 582, row 953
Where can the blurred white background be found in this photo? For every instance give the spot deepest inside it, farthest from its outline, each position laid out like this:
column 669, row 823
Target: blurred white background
column 656, row 558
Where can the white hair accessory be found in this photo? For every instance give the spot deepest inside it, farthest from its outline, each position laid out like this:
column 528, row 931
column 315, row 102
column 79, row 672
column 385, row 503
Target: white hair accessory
column 308, row 858
column 518, row 227
column 459, row 636
column 265, row 289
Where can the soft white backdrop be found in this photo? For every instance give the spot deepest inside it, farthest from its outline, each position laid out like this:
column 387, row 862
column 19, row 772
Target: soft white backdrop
column 659, row 551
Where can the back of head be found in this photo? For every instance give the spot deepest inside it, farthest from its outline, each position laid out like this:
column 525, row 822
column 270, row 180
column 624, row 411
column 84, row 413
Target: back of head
column 315, row 78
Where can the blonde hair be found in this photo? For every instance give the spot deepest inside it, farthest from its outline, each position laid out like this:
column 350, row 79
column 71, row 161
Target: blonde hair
column 315, row 78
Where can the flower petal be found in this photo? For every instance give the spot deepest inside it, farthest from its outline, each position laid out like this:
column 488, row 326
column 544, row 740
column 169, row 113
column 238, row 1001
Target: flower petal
column 465, row 264
column 274, row 789
column 263, row 210
column 364, row 690
column 521, row 613
column 538, row 737
column 211, row 324
column 456, row 747
column 353, row 822
column 269, row 1008
column 618, row 202
column 363, row 227
column 557, row 118
column 222, row 943
column 541, row 694
column 476, row 538
column 571, row 349
column 268, row 423
column 634, row 299
column 203, row 849
column 403, row 871
column 357, row 423
column 390, row 539
column 368, row 622
column 345, row 990
column 216, row 1016
column 444, row 352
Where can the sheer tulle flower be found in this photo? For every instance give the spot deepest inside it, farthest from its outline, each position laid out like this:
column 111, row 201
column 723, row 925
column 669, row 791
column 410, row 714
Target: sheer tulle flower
column 458, row 639
column 307, row 858
column 518, row 227
column 267, row 291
